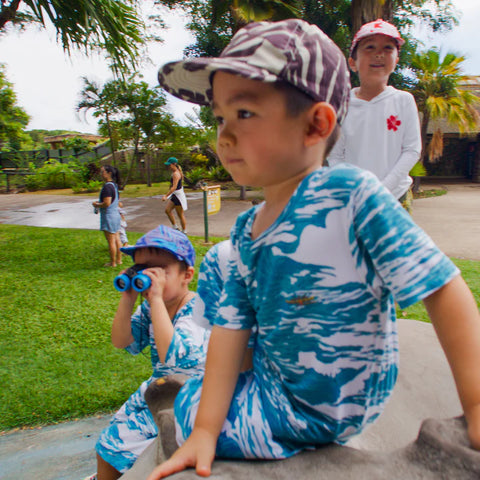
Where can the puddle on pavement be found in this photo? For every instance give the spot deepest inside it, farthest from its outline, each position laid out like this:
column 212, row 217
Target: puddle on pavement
column 78, row 214
column 56, row 215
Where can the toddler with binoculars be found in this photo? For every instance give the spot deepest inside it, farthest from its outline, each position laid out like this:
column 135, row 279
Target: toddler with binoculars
column 164, row 267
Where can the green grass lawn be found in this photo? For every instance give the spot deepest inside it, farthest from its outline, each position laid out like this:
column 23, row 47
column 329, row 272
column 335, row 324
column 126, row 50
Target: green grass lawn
column 130, row 191
column 470, row 272
column 57, row 303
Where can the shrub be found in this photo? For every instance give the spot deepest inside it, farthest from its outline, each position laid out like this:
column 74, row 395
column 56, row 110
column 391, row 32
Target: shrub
column 87, row 187
column 53, row 174
column 196, row 174
column 199, row 160
column 418, row 170
column 219, row 174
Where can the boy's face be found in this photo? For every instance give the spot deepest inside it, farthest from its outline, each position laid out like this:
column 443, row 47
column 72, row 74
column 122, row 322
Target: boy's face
column 175, row 276
column 258, row 143
column 375, row 58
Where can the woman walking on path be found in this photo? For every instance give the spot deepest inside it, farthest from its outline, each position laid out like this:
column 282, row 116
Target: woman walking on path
column 109, row 214
column 175, row 197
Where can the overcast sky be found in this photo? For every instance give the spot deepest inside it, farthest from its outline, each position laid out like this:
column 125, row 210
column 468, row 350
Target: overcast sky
column 48, row 82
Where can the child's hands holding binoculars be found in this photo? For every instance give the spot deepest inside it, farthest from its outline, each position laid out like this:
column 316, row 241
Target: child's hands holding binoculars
column 141, row 279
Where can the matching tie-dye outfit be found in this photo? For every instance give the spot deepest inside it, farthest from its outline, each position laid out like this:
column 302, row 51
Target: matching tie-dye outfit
column 319, row 286
column 133, row 428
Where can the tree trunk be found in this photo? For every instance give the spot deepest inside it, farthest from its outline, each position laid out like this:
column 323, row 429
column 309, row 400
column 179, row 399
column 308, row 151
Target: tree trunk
column 147, row 165
column 364, row 11
column 135, row 160
column 423, row 134
column 112, row 144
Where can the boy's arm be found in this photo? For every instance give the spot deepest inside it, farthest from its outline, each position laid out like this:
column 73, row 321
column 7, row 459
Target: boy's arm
column 121, row 326
column 411, row 147
column 161, row 322
column 456, row 319
column 224, row 358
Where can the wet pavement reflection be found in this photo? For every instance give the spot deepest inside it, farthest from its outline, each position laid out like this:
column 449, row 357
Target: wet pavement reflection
column 57, row 215
column 143, row 213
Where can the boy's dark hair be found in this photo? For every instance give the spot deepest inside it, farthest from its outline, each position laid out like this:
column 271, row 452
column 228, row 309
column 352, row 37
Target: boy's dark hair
column 354, row 51
column 297, row 102
column 182, row 264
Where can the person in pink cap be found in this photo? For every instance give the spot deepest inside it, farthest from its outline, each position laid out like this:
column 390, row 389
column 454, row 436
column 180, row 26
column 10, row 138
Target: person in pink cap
column 381, row 132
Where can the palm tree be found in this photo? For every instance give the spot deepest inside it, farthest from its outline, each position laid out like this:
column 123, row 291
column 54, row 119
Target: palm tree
column 102, row 101
column 110, row 25
column 439, row 94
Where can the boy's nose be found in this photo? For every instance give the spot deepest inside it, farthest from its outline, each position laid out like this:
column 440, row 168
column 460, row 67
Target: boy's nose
column 224, row 137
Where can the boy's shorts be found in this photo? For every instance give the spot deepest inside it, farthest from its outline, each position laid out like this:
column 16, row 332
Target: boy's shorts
column 246, row 432
column 131, row 430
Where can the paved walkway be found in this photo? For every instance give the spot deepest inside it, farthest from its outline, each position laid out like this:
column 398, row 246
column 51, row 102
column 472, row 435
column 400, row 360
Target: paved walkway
column 65, row 451
column 452, row 220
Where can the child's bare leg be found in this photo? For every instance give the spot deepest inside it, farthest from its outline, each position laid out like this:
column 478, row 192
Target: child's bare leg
column 181, row 216
column 118, row 244
column 112, row 247
column 105, row 471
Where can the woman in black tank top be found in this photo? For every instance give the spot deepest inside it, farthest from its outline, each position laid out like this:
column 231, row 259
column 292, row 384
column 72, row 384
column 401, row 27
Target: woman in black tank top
column 175, row 197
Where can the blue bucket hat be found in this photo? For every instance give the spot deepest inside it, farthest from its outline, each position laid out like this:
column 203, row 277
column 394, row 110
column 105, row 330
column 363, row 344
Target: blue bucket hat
column 171, row 160
column 165, row 238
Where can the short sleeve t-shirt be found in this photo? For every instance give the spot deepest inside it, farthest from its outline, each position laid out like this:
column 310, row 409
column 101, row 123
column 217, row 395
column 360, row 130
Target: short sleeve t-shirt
column 108, row 190
column 319, row 284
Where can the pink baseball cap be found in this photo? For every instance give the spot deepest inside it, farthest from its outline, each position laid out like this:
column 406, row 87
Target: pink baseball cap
column 374, row 28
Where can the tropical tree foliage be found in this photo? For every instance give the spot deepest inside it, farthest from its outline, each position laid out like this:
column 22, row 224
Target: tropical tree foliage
column 13, row 118
column 110, row 25
column 439, row 94
column 143, row 114
column 103, row 102
column 130, row 113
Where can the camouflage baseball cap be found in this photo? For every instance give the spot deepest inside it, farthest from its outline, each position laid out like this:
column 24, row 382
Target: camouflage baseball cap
column 292, row 51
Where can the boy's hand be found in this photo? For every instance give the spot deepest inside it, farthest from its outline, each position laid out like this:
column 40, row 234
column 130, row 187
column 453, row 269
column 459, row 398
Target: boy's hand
column 159, row 279
column 197, row 452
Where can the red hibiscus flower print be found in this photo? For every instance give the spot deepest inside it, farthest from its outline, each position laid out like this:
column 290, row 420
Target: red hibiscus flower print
column 393, row 123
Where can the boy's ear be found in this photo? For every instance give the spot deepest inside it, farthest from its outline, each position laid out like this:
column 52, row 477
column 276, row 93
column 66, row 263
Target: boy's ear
column 352, row 64
column 189, row 272
column 322, row 121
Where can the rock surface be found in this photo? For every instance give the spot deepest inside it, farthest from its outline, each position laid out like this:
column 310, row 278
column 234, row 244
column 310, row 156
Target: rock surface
column 415, row 438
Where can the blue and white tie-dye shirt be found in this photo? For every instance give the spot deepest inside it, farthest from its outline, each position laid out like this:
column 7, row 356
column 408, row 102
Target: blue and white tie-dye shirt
column 188, row 349
column 320, row 285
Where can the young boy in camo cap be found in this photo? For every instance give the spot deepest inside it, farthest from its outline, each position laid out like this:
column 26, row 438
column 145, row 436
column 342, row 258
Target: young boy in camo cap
column 315, row 268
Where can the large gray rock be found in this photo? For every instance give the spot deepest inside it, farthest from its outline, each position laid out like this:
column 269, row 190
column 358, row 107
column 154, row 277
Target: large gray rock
column 400, row 445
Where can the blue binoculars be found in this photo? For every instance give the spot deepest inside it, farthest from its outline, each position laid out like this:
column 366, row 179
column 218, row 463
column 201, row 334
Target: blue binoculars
column 132, row 278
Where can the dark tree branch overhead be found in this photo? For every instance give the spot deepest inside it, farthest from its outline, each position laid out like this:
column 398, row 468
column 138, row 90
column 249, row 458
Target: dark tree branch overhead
column 91, row 25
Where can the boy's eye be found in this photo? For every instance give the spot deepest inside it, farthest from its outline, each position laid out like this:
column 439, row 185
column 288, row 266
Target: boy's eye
column 243, row 114
column 219, row 120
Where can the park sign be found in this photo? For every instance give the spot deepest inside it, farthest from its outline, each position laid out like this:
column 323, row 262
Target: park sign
column 211, row 204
